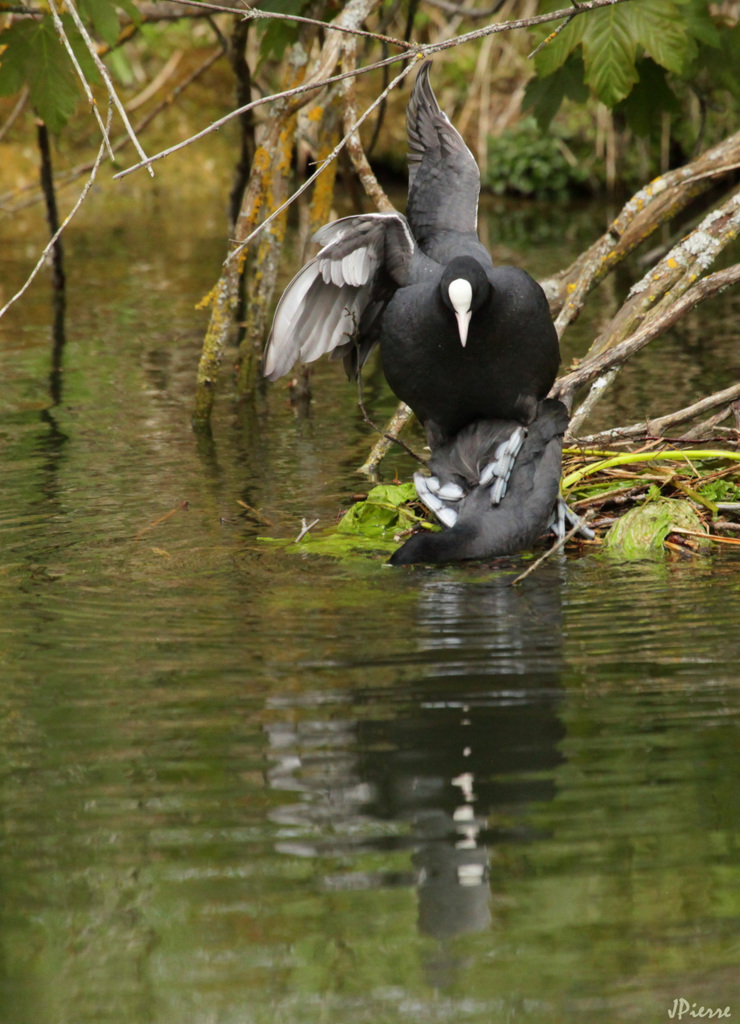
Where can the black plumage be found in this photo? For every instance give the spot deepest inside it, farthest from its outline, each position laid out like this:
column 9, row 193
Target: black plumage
column 527, row 509
column 460, row 338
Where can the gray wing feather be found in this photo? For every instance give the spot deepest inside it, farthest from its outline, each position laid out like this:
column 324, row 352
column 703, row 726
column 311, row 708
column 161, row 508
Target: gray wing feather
column 322, row 307
column 444, row 180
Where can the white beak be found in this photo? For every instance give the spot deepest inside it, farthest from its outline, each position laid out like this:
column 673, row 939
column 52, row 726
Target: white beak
column 461, row 297
column 463, row 321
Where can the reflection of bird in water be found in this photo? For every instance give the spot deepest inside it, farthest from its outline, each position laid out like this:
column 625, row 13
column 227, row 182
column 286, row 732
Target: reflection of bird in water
column 453, row 761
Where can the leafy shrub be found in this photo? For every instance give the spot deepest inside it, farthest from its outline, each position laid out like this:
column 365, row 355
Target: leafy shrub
column 526, row 160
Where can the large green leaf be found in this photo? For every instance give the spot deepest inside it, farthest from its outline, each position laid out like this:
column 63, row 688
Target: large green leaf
column 609, row 52
column 556, row 52
column 543, row 96
column 54, row 88
column 613, row 38
column 34, row 56
column 661, row 29
column 16, row 54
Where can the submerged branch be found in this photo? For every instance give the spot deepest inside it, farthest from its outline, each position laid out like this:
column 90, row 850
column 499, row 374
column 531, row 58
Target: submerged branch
column 598, row 365
column 648, row 208
column 53, row 240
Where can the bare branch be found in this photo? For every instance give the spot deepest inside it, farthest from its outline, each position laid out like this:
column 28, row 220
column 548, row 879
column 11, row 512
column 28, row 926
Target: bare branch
column 661, row 289
column 69, row 177
column 466, row 12
column 354, row 145
column 22, row 100
column 648, row 208
column 253, row 13
column 419, row 51
column 389, row 437
column 657, row 426
column 566, row 387
column 546, row 42
column 58, row 25
column 332, row 156
column 103, row 70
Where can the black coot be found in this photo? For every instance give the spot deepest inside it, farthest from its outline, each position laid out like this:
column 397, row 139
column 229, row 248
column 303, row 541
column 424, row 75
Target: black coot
column 460, row 338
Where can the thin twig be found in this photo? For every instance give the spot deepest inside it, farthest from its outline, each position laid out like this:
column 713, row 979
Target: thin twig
column 304, row 529
column 705, row 536
column 390, row 438
column 545, row 42
column 14, row 112
column 253, row 14
column 65, row 222
column 69, row 177
column 604, row 365
column 105, row 75
column 653, row 427
column 560, row 543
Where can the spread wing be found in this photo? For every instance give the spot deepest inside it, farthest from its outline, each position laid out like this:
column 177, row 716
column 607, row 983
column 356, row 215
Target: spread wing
column 444, row 180
column 363, row 260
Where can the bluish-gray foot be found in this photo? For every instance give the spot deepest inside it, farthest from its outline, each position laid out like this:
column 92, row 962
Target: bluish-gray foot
column 497, row 473
column 564, row 518
column 439, row 499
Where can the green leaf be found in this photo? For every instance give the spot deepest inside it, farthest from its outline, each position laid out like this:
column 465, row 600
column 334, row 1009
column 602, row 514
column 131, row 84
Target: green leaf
column 555, row 53
column 650, row 97
column 612, row 38
column 543, row 96
column 368, row 528
column 16, row 54
column 661, row 30
column 609, row 52
column 34, row 56
column 699, row 23
column 720, row 490
column 382, row 511
column 279, row 35
column 723, row 66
